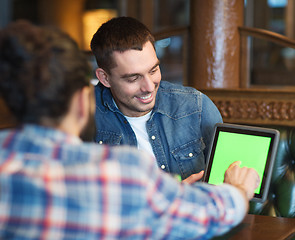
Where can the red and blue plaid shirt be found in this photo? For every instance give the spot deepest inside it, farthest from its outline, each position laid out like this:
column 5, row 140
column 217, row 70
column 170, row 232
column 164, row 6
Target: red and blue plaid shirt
column 53, row 186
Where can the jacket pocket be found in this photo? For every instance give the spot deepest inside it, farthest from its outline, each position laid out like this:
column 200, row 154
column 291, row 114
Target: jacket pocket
column 109, row 138
column 190, row 157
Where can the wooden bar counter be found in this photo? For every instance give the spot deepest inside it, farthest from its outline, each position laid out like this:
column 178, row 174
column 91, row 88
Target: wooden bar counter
column 258, row 227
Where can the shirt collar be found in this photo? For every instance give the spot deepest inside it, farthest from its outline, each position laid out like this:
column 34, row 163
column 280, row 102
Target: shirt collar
column 50, row 134
column 108, row 99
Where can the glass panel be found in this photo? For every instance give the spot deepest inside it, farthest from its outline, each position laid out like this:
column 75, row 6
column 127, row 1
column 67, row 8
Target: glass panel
column 277, row 3
column 170, row 53
column 92, row 61
column 170, row 13
column 272, row 64
column 277, row 15
column 266, row 14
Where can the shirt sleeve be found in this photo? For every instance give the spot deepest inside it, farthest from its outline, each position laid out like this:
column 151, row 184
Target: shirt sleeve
column 182, row 211
column 151, row 203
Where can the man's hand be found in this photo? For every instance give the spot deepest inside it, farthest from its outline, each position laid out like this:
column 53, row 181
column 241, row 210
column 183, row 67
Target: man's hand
column 246, row 179
column 193, row 178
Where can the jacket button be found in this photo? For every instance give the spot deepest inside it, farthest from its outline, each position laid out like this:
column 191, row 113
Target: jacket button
column 163, row 166
column 100, row 142
column 153, row 137
column 190, row 154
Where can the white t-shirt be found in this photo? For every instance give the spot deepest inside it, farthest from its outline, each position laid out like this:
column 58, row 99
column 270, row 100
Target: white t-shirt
column 138, row 125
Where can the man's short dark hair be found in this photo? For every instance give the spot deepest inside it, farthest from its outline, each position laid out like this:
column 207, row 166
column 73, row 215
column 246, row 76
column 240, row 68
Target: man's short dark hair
column 118, row 34
column 40, row 70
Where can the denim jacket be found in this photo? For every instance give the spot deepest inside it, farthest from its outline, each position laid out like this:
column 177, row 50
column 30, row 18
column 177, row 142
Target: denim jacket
column 180, row 127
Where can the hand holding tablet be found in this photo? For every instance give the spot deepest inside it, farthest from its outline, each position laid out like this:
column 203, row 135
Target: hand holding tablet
column 254, row 147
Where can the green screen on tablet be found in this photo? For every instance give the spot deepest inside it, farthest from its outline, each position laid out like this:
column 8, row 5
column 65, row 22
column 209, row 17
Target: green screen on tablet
column 254, row 147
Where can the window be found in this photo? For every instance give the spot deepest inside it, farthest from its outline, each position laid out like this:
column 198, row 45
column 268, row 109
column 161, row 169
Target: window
column 171, row 32
column 272, row 64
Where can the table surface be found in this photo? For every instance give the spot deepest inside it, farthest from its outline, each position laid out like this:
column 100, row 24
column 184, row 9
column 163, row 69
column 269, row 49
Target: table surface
column 261, row 227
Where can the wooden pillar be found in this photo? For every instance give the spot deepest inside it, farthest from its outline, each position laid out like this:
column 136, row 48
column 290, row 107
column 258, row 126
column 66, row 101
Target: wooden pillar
column 215, row 43
column 65, row 14
column 290, row 17
column 139, row 9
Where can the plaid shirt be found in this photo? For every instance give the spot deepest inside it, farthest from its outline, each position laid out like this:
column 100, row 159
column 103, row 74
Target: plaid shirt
column 53, row 186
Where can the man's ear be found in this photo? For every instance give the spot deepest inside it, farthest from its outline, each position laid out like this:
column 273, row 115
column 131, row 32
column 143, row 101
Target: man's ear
column 103, row 77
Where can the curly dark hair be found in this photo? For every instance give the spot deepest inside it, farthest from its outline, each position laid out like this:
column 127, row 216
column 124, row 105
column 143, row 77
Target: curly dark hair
column 40, row 69
column 118, row 34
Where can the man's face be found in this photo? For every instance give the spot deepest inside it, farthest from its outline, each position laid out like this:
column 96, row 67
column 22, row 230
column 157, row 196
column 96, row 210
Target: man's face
column 134, row 82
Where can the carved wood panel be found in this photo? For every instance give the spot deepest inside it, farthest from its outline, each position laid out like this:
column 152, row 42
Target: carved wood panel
column 255, row 106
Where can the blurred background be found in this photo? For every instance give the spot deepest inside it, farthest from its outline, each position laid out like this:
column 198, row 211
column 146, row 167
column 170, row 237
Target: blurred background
column 169, row 20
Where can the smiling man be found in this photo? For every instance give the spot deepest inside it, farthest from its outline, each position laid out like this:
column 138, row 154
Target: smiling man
column 134, row 107
column 135, row 80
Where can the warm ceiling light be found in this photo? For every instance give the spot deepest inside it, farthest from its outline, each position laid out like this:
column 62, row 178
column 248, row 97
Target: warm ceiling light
column 92, row 20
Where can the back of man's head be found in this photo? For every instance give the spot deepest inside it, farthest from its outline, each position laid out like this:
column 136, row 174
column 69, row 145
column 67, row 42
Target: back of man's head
column 118, row 34
column 40, row 70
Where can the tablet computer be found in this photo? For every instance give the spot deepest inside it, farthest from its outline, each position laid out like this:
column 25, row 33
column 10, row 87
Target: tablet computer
column 255, row 147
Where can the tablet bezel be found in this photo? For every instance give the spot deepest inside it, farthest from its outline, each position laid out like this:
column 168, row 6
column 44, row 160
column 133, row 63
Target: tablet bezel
column 252, row 130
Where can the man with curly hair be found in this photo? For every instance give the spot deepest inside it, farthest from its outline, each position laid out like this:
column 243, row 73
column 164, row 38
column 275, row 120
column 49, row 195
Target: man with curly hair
column 54, row 186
